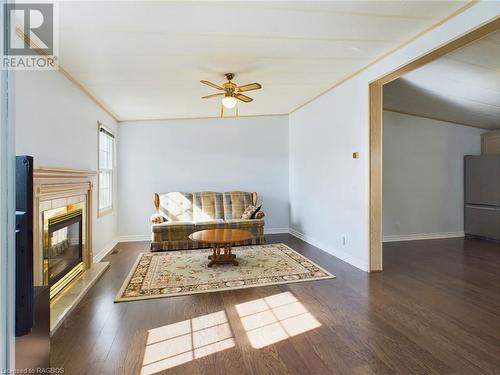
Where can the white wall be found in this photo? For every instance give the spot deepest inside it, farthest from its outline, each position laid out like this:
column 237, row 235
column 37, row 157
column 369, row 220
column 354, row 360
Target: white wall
column 329, row 191
column 248, row 154
column 423, row 176
column 56, row 123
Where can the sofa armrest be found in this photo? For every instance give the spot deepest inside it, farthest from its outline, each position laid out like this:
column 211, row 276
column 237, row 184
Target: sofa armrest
column 157, row 219
column 259, row 215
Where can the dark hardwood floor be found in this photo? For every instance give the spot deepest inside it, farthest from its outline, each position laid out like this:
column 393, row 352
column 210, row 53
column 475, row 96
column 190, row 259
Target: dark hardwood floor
column 434, row 310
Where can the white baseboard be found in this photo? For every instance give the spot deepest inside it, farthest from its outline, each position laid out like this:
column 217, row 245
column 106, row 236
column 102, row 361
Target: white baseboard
column 104, row 251
column 135, row 238
column 276, row 230
column 297, row 234
column 327, row 249
column 422, row 236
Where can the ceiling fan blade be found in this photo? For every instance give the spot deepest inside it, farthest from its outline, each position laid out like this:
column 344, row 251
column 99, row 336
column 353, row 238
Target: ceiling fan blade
column 243, row 98
column 212, row 96
column 249, row 87
column 212, row 85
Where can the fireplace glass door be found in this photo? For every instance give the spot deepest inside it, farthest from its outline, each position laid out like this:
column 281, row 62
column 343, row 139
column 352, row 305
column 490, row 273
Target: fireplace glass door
column 64, row 250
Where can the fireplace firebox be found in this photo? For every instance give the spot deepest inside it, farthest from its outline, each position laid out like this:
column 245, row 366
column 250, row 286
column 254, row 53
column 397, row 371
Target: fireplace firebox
column 63, row 249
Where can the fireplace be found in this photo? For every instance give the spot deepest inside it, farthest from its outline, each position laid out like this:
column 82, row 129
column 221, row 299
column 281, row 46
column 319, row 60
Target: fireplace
column 63, row 245
column 63, row 257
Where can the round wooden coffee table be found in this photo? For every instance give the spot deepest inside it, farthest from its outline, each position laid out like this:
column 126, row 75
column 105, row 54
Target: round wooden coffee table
column 221, row 238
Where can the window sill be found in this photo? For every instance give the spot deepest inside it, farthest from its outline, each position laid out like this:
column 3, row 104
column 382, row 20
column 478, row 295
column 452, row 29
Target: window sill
column 104, row 212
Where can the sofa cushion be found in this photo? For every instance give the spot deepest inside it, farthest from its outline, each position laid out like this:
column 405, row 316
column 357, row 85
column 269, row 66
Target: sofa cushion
column 172, row 231
column 170, row 224
column 207, row 206
column 235, row 203
column 214, row 224
column 177, row 206
column 255, row 226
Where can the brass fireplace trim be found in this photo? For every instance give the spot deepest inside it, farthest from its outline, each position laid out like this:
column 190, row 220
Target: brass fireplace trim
column 65, row 216
column 57, row 287
column 54, row 216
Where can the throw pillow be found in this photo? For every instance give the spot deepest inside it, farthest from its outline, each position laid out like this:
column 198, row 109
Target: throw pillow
column 248, row 213
column 255, row 212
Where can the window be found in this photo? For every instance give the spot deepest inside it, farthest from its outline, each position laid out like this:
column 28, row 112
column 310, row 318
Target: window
column 106, row 166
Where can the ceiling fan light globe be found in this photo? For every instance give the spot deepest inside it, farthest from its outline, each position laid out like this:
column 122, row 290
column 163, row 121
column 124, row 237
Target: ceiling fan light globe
column 229, row 102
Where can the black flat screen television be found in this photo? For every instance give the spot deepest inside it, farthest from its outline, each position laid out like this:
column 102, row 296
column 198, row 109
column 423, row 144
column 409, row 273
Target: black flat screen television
column 24, row 245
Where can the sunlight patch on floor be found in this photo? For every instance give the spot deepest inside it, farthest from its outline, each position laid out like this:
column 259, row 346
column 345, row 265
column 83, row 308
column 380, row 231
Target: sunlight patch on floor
column 181, row 342
column 275, row 318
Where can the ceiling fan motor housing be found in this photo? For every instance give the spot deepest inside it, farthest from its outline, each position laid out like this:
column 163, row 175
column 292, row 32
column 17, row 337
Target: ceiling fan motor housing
column 230, row 88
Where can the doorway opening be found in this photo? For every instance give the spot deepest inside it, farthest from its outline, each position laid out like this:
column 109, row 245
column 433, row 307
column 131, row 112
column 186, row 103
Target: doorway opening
column 376, row 130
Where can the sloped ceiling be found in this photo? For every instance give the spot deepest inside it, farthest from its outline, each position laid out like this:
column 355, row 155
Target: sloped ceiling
column 144, row 60
column 462, row 87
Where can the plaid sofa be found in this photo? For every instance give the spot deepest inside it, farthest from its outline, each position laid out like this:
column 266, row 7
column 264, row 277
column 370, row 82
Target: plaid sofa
column 180, row 214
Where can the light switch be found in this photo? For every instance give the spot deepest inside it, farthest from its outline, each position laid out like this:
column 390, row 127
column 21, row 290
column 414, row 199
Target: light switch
column 355, row 155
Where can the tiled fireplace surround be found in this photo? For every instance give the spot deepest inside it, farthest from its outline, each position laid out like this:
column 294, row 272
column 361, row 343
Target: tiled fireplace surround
column 56, row 188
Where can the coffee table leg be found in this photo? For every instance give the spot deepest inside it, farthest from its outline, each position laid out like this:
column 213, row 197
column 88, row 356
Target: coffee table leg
column 226, row 257
column 229, row 255
column 214, row 256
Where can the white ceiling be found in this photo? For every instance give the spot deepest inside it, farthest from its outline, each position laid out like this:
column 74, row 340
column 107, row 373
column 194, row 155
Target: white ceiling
column 463, row 87
column 144, row 60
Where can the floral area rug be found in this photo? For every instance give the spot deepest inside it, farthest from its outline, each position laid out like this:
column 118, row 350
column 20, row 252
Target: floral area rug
column 175, row 273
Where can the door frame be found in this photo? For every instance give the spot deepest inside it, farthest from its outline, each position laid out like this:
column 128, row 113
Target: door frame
column 7, row 222
column 376, row 88
column 7, row 215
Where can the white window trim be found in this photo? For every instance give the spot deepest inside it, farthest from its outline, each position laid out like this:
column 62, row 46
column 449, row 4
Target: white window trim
column 105, row 211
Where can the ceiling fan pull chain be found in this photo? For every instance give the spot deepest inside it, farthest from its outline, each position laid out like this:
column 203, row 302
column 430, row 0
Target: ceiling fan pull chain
column 221, row 110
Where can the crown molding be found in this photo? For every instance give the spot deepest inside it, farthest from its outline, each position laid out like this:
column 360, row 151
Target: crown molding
column 82, row 88
column 203, row 118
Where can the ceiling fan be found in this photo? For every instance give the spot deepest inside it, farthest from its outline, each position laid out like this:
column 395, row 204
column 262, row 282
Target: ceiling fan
column 231, row 92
